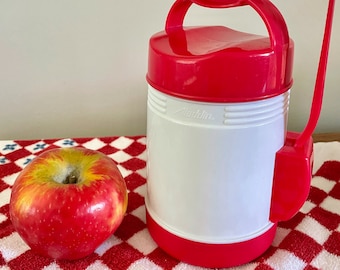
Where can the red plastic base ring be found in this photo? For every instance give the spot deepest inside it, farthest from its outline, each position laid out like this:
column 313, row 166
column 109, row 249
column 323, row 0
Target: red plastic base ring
column 210, row 255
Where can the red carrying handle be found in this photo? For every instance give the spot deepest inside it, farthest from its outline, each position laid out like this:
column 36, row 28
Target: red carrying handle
column 294, row 161
column 180, row 7
column 271, row 16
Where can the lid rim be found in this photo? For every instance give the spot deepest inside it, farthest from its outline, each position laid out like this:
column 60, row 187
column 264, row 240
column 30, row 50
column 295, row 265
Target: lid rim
column 217, row 99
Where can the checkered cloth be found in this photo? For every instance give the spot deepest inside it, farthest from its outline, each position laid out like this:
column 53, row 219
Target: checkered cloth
column 310, row 240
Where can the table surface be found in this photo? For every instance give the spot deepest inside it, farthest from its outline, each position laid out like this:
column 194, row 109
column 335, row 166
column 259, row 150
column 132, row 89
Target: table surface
column 326, row 137
column 310, row 240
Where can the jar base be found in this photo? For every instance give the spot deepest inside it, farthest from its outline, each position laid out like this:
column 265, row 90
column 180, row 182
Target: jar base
column 206, row 254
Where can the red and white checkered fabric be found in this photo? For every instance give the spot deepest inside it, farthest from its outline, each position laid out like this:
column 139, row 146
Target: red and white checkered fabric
column 310, row 240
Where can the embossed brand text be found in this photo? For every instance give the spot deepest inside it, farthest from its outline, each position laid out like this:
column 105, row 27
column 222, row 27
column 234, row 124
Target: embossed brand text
column 196, row 114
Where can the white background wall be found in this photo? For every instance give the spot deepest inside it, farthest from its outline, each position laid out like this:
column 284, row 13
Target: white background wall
column 76, row 68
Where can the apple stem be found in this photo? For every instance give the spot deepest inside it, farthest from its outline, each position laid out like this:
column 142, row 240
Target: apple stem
column 71, row 178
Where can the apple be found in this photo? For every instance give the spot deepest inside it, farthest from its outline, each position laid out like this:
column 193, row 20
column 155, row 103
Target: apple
column 68, row 201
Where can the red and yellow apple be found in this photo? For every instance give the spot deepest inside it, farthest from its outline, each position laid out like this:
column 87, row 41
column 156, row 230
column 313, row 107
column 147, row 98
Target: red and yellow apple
column 68, row 201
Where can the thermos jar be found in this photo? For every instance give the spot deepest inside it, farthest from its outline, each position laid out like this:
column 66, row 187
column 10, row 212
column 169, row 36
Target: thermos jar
column 217, row 114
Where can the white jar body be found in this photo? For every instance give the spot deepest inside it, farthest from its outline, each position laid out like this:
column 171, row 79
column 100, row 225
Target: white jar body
column 210, row 165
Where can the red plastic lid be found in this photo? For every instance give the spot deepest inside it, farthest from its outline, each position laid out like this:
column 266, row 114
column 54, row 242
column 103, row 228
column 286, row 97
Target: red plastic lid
column 218, row 64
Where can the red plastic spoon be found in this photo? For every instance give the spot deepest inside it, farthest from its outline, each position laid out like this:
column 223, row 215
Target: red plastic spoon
column 294, row 161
